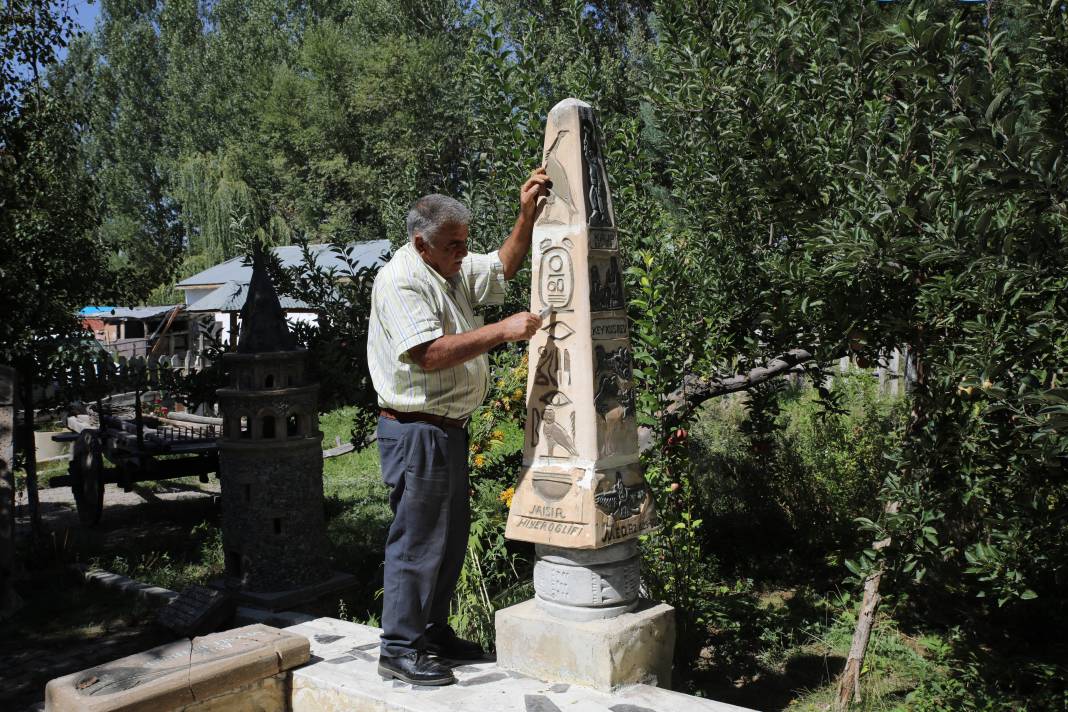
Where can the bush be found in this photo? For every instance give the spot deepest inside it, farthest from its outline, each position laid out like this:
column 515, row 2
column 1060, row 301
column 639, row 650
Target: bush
column 789, row 471
column 496, row 572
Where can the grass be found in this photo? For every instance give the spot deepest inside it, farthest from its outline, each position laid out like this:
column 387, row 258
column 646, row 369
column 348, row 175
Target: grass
column 358, row 517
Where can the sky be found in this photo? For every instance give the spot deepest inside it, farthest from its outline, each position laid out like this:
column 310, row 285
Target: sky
column 85, row 15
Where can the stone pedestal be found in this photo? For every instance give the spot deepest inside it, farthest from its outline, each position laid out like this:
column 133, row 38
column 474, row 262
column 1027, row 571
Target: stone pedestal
column 630, row 648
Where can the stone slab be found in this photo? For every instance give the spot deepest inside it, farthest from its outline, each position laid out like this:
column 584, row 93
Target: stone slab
column 177, row 675
column 343, row 677
column 631, row 648
column 198, row 610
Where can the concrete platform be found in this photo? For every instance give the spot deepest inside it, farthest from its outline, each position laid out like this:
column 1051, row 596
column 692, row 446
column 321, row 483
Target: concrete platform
column 342, row 675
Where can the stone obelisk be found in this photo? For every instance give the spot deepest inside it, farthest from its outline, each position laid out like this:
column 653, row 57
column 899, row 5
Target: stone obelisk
column 581, row 497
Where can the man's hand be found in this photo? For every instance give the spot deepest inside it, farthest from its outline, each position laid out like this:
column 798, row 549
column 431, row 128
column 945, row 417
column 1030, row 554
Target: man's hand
column 453, row 349
column 515, row 249
column 536, row 187
column 519, row 327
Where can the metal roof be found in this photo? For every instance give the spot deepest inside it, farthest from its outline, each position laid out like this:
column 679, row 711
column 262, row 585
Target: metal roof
column 231, row 297
column 110, row 313
column 363, row 254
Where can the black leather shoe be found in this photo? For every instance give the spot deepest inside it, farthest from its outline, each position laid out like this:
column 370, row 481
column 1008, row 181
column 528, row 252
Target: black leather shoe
column 415, row 669
column 443, row 642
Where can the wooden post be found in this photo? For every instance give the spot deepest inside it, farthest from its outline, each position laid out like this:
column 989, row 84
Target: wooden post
column 9, row 599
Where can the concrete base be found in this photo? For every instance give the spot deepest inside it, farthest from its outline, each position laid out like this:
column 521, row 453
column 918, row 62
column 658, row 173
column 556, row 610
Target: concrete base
column 281, row 600
column 632, row 648
column 343, row 677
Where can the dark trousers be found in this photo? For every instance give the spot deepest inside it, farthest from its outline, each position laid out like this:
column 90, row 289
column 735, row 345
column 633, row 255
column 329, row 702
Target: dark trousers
column 425, row 467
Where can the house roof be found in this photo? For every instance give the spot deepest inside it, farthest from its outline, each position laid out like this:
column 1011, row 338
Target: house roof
column 363, row 254
column 230, row 297
column 117, row 313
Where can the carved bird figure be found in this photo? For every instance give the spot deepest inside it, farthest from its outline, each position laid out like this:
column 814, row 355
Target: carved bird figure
column 556, row 434
column 561, row 189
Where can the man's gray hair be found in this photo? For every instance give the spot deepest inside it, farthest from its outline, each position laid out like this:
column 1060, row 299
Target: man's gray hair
column 432, row 212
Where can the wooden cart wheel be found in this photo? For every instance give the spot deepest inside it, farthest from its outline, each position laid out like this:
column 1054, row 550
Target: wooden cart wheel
column 87, row 477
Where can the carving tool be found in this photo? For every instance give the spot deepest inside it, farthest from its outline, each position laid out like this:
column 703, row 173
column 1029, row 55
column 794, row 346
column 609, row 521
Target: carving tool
column 545, row 312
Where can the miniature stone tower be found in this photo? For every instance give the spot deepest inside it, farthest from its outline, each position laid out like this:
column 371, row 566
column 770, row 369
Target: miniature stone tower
column 270, row 457
column 581, row 497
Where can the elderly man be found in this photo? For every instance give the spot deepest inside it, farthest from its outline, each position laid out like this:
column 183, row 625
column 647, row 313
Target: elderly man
column 427, row 355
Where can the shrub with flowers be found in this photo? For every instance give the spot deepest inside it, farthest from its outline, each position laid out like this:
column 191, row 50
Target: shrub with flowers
column 491, row 578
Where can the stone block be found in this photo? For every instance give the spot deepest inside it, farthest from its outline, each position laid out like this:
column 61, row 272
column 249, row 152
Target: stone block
column 198, row 610
column 632, row 648
column 178, row 675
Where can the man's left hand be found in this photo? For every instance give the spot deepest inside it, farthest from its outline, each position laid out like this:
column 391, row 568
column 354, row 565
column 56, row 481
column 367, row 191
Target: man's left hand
column 536, row 187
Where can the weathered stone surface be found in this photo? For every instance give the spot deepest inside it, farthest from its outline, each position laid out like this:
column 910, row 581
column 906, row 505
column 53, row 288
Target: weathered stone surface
column 180, row 674
column 631, row 648
column 356, row 687
column 581, row 486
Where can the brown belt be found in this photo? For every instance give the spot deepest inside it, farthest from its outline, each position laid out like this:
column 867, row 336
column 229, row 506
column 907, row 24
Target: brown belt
column 416, row 417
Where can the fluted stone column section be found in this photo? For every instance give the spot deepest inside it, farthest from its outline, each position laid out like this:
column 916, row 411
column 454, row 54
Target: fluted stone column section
column 581, row 496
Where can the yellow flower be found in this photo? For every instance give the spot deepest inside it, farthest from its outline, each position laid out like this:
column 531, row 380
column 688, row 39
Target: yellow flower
column 517, row 393
column 480, row 460
column 506, row 496
column 498, row 435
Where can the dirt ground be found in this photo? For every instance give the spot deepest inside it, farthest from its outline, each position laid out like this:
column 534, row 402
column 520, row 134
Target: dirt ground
column 66, row 626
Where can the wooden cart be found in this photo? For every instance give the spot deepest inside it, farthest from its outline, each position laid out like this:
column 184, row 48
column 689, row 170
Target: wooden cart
column 113, row 447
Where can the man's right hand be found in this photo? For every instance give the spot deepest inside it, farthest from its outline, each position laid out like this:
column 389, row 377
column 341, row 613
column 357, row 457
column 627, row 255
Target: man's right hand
column 519, row 327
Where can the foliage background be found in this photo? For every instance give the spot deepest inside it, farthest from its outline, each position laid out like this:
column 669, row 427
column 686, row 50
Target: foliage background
column 846, row 177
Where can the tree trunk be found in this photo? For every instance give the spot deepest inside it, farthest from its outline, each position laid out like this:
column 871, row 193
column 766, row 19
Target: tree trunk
column 29, row 448
column 10, row 602
column 849, row 681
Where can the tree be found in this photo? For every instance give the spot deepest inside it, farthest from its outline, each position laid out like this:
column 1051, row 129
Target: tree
column 51, row 261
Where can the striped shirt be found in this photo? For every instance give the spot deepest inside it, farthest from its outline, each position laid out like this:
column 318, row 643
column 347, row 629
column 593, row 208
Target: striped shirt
column 412, row 304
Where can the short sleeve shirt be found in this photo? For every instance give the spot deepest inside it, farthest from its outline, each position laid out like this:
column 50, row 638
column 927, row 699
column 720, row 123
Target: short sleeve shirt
column 412, row 304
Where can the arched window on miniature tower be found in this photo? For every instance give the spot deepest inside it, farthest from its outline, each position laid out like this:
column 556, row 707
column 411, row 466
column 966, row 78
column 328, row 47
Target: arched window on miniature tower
column 293, row 423
column 268, row 430
column 244, row 430
column 268, row 381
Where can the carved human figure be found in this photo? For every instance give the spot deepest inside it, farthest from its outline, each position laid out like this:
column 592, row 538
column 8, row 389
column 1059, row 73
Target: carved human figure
column 598, row 210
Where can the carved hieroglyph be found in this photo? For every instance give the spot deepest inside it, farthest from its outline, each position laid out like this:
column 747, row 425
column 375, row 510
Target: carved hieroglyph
column 581, row 485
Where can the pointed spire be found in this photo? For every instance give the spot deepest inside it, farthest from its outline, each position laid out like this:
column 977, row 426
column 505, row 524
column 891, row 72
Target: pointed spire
column 263, row 323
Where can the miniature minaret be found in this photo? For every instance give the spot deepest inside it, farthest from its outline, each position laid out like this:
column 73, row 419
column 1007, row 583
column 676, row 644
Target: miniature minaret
column 270, row 457
column 581, row 497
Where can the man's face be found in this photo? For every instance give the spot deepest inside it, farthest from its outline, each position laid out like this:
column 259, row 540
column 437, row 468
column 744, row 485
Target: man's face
column 448, row 250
